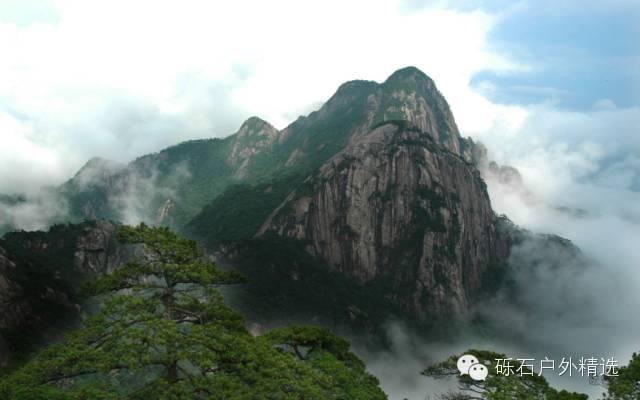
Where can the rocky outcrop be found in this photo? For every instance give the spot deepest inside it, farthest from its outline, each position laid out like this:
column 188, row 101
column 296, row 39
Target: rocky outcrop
column 359, row 106
column 398, row 204
column 192, row 174
column 410, row 95
column 478, row 155
column 394, row 200
column 254, row 136
column 40, row 273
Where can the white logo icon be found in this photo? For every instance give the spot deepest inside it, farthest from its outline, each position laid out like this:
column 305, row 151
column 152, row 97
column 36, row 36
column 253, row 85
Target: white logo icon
column 465, row 362
column 469, row 365
column 478, row 372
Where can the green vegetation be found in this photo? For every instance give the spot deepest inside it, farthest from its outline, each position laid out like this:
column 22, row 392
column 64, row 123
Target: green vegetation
column 164, row 332
column 191, row 174
column 286, row 280
column 55, row 253
column 497, row 386
column 47, row 283
column 238, row 213
column 625, row 386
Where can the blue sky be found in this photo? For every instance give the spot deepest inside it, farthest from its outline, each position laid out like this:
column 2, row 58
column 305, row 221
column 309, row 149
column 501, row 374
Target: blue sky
column 578, row 55
column 579, row 52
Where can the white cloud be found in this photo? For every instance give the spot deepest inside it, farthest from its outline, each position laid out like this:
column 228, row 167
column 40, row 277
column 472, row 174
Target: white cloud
column 120, row 79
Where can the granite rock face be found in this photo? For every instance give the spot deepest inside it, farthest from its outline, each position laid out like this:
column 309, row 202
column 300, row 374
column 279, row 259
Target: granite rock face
column 410, row 95
column 404, row 200
column 255, row 135
column 399, row 204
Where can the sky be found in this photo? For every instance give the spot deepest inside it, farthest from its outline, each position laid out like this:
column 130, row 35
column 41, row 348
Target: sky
column 120, row 79
column 549, row 87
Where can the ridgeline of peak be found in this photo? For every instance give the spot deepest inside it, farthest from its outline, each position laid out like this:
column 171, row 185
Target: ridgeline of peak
column 411, row 95
column 96, row 167
column 254, row 136
column 355, row 87
column 99, row 162
column 376, row 187
column 196, row 172
column 255, row 124
column 410, row 73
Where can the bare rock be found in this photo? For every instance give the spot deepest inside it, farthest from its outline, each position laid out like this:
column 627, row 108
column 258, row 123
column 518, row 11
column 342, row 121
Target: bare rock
column 398, row 205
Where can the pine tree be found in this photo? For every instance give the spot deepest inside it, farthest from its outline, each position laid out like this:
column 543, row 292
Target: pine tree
column 164, row 332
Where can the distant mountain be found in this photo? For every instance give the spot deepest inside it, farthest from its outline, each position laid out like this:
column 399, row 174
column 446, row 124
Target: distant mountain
column 373, row 204
column 172, row 186
column 396, row 209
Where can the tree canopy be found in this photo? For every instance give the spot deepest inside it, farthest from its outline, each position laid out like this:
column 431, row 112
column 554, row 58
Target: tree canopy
column 164, row 332
column 626, row 385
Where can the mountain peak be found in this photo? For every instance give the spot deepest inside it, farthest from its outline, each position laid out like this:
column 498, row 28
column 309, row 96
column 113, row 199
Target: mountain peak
column 255, row 124
column 255, row 135
column 355, row 87
column 408, row 74
column 99, row 163
column 95, row 171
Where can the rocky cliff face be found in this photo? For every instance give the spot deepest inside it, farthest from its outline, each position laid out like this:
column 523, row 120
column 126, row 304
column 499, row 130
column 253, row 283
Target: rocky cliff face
column 358, row 106
column 410, row 95
column 391, row 196
column 192, row 174
column 398, row 204
column 254, row 136
column 40, row 273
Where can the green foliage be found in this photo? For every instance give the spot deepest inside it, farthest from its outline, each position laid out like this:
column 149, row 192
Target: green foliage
column 191, row 173
column 164, row 332
column 625, row 386
column 55, row 255
column 322, row 134
column 330, row 355
column 239, row 212
column 47, row 280
column 498, row 386
column 287, row 280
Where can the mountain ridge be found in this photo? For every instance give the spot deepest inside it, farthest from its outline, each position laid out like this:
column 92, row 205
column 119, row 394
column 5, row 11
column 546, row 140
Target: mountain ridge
column 377, row 186
column 246, row 157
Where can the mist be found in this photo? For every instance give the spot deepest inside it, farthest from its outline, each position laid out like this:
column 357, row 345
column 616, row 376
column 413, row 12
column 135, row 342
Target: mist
column 36, row 211
column 579, row 180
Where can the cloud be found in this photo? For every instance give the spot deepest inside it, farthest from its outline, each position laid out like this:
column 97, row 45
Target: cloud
column 577, row 52
column 580, row 172
column 133, row 194
column 36, row 212
column 122, row 79
column 580, row 180
column 27, row 12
